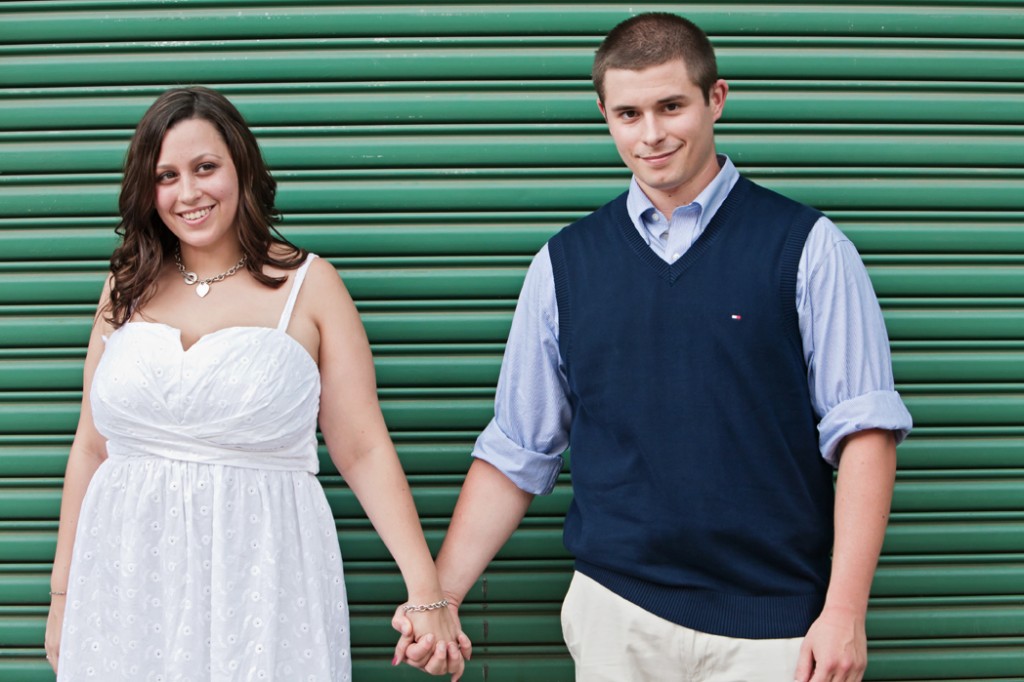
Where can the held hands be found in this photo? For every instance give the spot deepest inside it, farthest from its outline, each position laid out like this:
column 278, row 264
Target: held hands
column 835, row 648
column 432, row 641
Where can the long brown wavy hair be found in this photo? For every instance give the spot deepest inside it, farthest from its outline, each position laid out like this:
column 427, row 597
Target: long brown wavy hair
column 147, row 244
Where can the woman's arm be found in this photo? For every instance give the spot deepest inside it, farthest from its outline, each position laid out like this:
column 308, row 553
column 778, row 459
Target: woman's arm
column 358, row 441
column 88, row 450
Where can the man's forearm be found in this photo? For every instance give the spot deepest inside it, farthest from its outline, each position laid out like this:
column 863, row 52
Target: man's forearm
column 489, row 509
column 867, row 472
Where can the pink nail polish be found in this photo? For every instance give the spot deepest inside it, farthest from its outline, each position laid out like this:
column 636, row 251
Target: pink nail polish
column 394, row 661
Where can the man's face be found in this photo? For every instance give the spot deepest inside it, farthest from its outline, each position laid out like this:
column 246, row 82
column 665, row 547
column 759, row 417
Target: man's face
column 664, row 130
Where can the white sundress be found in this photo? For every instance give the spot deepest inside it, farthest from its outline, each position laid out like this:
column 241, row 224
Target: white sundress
column 206, row 549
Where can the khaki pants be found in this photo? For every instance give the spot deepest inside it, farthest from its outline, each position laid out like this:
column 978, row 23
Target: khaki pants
column 613, row 640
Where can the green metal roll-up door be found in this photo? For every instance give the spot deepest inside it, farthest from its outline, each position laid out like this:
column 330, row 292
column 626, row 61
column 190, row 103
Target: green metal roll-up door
column 429, row 150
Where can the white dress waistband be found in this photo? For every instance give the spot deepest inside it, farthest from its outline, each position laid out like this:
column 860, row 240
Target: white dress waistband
column 298, row 458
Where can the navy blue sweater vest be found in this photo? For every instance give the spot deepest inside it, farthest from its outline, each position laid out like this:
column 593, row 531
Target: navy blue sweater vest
column 698, row 490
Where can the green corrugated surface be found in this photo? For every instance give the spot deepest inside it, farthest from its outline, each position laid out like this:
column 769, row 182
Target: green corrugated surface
column 428, row 150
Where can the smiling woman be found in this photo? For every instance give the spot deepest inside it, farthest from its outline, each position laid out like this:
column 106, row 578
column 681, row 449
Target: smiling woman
column 197, row 188
column 196, row 150
column 194, row 534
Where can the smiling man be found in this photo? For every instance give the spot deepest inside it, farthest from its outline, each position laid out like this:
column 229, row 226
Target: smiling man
column 710, row 351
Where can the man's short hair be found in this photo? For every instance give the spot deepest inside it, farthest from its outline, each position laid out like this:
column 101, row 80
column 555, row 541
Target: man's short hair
column 652, row 39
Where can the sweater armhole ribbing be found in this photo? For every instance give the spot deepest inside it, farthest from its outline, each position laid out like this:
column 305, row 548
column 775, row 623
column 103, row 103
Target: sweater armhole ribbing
column 559, row 272
column 792, row 251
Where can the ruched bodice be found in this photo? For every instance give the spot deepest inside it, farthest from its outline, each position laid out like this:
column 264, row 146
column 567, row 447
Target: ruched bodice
column 242, row 396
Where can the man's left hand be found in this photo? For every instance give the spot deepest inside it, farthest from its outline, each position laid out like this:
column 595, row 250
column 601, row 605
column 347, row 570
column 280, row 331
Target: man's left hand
column 835, row 648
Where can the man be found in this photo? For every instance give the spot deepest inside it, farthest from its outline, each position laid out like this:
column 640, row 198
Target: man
column 709, row 350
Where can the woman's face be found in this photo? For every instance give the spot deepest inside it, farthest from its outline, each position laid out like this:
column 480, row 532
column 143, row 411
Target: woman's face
column 197, row 186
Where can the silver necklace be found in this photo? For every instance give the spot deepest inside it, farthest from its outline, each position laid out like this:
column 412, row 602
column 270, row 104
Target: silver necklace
column 203, row 285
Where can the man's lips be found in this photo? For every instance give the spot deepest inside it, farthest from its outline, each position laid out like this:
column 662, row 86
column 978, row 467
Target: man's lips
column 658, row 158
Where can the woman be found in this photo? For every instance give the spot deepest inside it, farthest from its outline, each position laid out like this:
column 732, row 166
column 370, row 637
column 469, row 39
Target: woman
column 195, row 541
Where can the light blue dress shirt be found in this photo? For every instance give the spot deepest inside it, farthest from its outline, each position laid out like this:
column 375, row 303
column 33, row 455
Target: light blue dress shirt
column 845, row 344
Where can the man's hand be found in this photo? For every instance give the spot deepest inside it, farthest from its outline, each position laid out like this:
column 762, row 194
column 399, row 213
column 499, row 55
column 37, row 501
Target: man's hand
column 424, row 653
column 835, row 648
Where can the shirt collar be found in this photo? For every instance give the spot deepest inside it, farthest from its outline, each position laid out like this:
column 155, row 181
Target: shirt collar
column 708, row 201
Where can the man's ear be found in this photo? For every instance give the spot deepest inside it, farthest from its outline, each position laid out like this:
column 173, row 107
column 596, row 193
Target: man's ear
column 600, row 107
column 717, row 96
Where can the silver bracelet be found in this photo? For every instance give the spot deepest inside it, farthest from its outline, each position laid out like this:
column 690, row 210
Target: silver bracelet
column 425, row 607
column 57, row 594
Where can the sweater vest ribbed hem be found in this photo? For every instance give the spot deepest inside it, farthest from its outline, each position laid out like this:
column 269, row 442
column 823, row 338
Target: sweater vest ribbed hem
column 716, row 613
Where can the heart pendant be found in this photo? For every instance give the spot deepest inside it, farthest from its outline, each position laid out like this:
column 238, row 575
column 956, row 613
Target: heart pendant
column 202, row 289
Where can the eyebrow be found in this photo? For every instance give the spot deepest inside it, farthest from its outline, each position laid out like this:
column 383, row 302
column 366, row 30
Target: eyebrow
column 664, row 100
column 193, row 160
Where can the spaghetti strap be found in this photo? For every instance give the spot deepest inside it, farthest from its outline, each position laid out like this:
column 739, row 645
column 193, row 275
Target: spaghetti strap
column 300, row 275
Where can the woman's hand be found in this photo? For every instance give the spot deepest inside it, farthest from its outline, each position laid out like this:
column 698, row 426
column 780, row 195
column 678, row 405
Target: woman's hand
column 54, row 623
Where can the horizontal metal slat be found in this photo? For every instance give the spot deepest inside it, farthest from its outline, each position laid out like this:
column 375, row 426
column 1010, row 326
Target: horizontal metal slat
column 969, row 659
column 969, row 494
column 440, row 327
column 359, row 543
column 448, row 370
column 867, row 102
column 26, row 238
column 994, row 492
column 193, row 23
column 518, row 582
column 26, row 459
column 373, row 664
column 947, row 280
column 948, row 233
column 949, row 322
column 425, row 414
column 426, row 410
column 516, row 190
column 515, row 582
column 523, row 101
column 427, row 59
column 950, row 452
column 514, row 664
column 978, row 409
column 47, row 456
column 968, row 366
column 525, row 147
column 965, row 535
column 371, row 629
column 535, row 540
column 969, row 448
column 950, row 576
column 387, row 282
column 462, row 326
column 38, row 500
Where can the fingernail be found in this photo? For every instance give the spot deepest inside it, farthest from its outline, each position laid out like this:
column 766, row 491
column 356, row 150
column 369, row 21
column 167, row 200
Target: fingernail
column 394, row 661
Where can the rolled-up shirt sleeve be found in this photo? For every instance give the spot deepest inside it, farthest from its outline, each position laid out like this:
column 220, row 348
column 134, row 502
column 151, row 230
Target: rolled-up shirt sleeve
column 846, row 346
column 530, row 429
